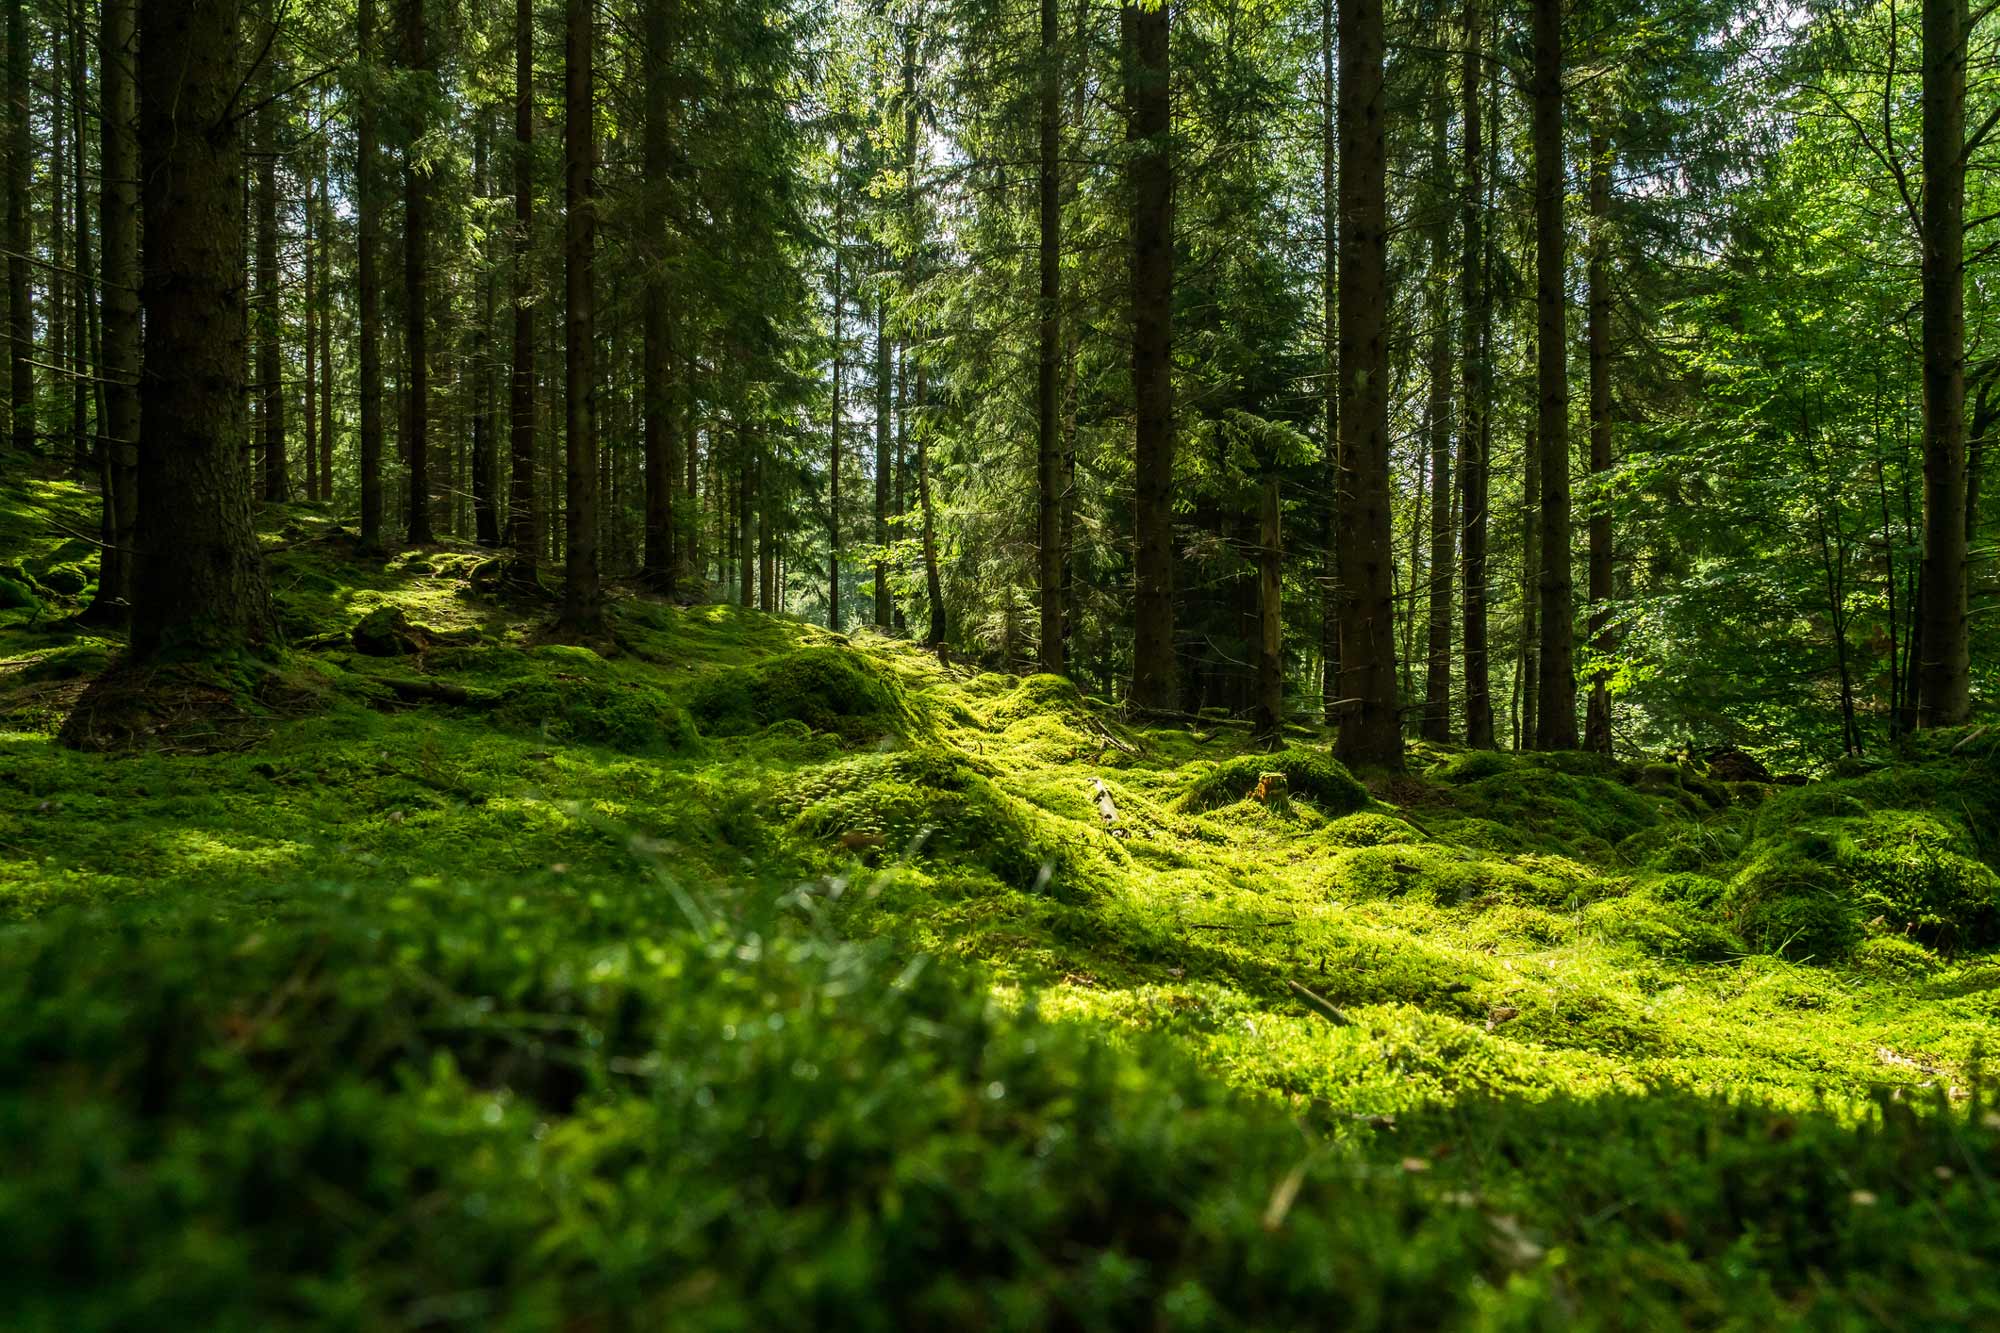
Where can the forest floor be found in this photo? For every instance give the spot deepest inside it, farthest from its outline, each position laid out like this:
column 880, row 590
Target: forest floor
column 726, row 972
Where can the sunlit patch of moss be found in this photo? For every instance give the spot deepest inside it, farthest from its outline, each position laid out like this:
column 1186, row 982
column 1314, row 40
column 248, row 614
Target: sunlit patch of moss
column 828, row 688
column 1309, row 776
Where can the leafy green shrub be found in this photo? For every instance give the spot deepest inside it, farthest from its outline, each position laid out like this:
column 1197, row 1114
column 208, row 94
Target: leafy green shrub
column 1313, row 777
column 1791, row 901
column 829, row 689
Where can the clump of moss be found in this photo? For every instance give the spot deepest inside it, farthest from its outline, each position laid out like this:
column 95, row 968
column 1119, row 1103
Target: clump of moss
column 1311, row 777
column 17, row 596
column 1664, row 927
column 1368, row 829
column 624, row 717
column 80, row 659
column 1471, row 766
column 1696, row 891
column 1791, row 901
column 1557, row 809
column 1682, row 846
column 829, row 689
column 1894, row 958
column 1910, row 872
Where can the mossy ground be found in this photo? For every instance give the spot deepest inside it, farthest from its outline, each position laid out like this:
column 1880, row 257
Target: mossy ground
column 726, row 972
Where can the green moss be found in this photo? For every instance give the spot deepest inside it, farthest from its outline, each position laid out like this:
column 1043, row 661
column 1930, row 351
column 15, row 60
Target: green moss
column 1911, row 875
column 624, row 717
column 1312, row 777
column 1472, row 766
column 1367, row 829
column 16, row 596
column 1664, row 927
column 1895, row 958
column 829, row 689
column 1791, row 901
column 1555, row 808
column 66, row 580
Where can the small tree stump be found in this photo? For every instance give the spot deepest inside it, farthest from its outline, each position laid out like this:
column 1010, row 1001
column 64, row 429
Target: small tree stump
column 1274, row 791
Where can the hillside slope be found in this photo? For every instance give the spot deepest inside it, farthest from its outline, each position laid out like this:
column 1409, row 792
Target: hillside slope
column 728, row 972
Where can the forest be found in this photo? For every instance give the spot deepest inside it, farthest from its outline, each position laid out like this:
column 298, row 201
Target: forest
column 999, row 664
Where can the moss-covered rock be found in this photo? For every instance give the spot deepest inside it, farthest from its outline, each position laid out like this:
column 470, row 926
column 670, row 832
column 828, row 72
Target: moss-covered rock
column 67, row 580
column 1664, row 927
column 622, row 716
column 1792, row 901
column 1471, row 766
column 1368, row 829
column 1894, row 958
column 829, row 689
column 1312, row 777
column 17, row 596
column 1911, row 872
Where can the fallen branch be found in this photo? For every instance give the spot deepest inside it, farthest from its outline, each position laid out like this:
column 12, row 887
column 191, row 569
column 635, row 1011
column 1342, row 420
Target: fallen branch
column 1107, row 809
column 1320, row 1005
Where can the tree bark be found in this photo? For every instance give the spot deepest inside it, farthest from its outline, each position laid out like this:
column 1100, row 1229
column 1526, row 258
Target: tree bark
column 1555, row 727
column 1370, row 729
column 1270, row 714
column 416, row 293
column 368, row 244
column 1597, row 724
column 270, row 348
column 1477, row 394
column 1148, row 127
column 1329, row 589
column 662, row 449
column 485, row 465
column 201, row 582
column 940, row 626
column 523, row 535
column 20, row 308
column 326, row 318
column 1048, row 444
column 1944, row 663
column 309, row 420
column 839, row 366
column 118, row 361
column 882, row 607
column 1437, row 635
column 581, row 609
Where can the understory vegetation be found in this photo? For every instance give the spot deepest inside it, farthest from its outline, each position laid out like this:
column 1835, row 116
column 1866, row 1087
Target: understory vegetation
column 724, row 972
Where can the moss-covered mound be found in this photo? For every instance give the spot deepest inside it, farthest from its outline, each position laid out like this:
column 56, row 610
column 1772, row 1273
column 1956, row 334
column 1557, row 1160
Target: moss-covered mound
column 1310, row 776
column 829, row 689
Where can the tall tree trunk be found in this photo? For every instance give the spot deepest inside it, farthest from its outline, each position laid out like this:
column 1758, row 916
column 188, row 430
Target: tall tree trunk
column 1048, row 444
column 1597, row 725
column 1477, row 394
column 662, row 453
column 201, row 582
column 1437, row 635
column 1556, row 708
column 746, row 513
column 309, row 422
column 368, row 244
column 1148, row 125
column 1270, row 711
column 940, row 626
column 523, row 535
column 326, row 316
column 485, row 463
column 882, row 608
column 118, row 240
column 1944, row 663
column 1329, row 588
column 839, row 365
column 416, row 293
column 20, row 310
column 1370, row 729
column 82, row 380
column 270, row 350
column 1529, row 670
column 581, row 609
